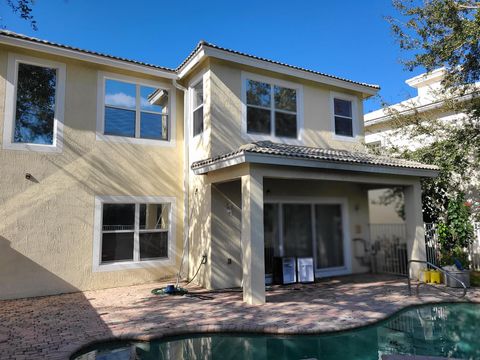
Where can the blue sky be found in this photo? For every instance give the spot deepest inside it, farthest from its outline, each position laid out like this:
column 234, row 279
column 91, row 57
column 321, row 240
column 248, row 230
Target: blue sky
column 348, row 38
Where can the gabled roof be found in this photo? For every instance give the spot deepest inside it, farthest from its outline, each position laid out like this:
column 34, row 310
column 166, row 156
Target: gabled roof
column 267, row 152
column 203, row 48
column 203, row 44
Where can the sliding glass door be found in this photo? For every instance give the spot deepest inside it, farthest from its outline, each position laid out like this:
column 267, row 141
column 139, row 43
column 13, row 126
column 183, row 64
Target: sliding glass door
column 305, row 230
column 297, row 230
column 329, row 236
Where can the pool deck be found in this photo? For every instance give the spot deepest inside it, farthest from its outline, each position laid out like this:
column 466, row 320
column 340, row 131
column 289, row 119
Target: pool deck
column 54, row 327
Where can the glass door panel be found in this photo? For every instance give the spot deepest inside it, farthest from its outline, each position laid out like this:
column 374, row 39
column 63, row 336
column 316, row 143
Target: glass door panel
column 329, row 236
column 297, row 230
column 271, row 235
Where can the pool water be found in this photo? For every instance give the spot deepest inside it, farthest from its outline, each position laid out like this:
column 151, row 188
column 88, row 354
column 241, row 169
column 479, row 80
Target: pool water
column 448, row 330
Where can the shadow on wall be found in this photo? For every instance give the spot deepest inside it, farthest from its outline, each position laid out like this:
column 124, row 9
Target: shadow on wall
column 32, row 275
column 60, row 239
column 226, row 235
column 200, row 229
column 226, row 119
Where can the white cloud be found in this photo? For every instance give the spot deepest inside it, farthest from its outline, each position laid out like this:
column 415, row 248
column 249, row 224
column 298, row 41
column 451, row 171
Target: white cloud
column 124, row 100
column 120, row 99
column 145, row 103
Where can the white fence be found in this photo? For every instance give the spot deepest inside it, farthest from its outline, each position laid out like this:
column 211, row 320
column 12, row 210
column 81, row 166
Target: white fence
column 389, row 247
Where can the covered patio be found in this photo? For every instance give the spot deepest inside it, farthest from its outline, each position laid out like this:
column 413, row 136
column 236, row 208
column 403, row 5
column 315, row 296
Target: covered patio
column 297, row 201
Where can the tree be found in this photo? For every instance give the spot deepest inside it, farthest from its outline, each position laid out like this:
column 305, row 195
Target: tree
column 24, row 9
column 455, row 232
column 442, row 34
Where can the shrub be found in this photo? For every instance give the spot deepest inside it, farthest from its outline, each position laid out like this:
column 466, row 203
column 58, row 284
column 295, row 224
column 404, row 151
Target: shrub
column 455, row 233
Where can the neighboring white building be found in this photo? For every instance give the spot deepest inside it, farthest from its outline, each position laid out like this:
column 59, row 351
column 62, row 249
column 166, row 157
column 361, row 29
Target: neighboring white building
column 380, row 130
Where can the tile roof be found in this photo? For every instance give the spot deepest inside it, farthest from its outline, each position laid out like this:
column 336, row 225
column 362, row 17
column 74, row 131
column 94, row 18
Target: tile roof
column 205, row 43
column 15, row 35
column 67, row 47
column 313, row 153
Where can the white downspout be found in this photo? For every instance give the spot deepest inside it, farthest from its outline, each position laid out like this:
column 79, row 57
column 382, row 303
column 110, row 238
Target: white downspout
column 186, row 181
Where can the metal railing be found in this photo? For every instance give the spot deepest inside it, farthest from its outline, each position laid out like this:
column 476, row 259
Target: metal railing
column 445, row 272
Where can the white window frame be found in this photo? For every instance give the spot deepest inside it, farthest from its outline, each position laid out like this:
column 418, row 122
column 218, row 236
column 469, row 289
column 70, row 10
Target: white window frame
column 355, row 122
column 272, row 81
column 191, row 91
column 11, row 102
column 126, row 265
column 100, row 136
column 347, row 245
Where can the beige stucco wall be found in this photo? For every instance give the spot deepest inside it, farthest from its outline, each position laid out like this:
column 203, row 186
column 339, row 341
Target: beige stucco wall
column 226, row 111
column 381, row 213
column 46, row 225
column 226, row 231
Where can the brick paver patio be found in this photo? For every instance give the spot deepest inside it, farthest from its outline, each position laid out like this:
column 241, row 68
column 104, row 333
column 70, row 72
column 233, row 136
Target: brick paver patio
column 54, row 327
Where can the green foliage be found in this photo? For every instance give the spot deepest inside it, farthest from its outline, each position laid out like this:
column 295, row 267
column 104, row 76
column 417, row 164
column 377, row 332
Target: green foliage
column 24, row 9
column 441, row 33
column 455, row 232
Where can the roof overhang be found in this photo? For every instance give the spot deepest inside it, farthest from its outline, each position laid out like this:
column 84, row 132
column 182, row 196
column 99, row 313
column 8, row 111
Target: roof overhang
column 434, row 105
column 205, row 50
column 85, row 56
column 268, row 159
column 201, row 52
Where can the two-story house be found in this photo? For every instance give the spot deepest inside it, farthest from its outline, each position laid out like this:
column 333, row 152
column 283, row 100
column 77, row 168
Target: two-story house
column 116, row 172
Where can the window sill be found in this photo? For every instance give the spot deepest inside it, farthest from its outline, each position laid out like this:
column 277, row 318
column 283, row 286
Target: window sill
column 278, row 139
column 346, row 138
column 130, row 265
column 134, row 141
column 32, row 147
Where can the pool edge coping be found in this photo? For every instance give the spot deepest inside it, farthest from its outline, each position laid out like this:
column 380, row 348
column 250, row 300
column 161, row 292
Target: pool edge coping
column 249, row 329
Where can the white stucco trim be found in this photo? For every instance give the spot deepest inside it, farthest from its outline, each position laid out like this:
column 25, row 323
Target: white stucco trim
column 100, row 136
column 347, row 243
column 299, row 113
column 11, row 99
column 97, row 266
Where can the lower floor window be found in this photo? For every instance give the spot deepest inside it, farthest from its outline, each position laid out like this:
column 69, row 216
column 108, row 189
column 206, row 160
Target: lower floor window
column 134, row 231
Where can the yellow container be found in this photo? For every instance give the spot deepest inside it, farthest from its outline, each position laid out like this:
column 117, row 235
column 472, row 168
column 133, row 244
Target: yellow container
column 426, row 275
column 435, row 276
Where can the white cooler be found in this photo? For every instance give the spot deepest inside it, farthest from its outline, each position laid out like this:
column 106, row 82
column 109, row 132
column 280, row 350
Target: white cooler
column 305, row 270
column 289, row 270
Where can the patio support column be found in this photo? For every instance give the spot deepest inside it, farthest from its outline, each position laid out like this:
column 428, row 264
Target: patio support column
column 414, row 226
column 253, row 261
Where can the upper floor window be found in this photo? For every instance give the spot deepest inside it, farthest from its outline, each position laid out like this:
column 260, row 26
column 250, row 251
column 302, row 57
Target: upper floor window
column 271, row 109
column 343, row 114
column 197, row 108
column 34, row 104
column 133, row 110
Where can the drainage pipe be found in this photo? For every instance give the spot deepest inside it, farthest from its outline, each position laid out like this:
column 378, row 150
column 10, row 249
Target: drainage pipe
column 186, row 180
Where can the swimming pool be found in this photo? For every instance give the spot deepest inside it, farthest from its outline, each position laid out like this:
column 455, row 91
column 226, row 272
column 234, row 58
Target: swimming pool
column 449, row 330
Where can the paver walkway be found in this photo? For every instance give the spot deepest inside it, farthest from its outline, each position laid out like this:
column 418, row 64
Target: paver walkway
column 54, row 327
